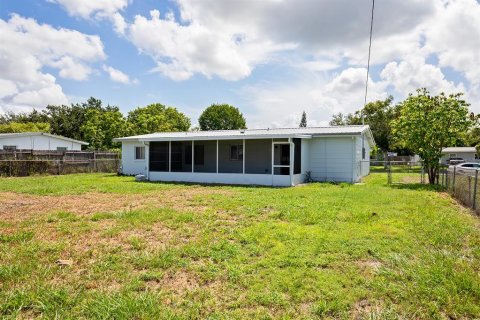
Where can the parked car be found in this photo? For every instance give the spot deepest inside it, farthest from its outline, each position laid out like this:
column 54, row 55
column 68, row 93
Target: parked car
column 454, row 161
column 466, row 167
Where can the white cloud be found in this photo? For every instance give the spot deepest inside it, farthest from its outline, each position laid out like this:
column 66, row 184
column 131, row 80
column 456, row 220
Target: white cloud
column 182, row 50
column 88, row 8
column 454, row 36
column 318, row 96
column 414, row 73
column 27, row 47
column 118, row 76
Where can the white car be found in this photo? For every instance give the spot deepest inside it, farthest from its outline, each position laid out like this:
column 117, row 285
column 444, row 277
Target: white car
column 467, row 167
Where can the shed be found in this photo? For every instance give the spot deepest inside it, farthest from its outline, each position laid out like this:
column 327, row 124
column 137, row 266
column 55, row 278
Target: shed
column 273, row 157
column 468, row 154
column 38, row 141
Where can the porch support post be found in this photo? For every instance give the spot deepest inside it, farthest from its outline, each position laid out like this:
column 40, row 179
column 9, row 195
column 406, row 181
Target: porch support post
column 273, row 155
column 292, row 160
column 243, row 157
column 169, row 156
column 193, row 158
column 217, row 156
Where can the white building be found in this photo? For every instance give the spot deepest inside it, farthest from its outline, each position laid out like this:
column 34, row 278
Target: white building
column 468, row 154
column 273, row 157
column 38, row 141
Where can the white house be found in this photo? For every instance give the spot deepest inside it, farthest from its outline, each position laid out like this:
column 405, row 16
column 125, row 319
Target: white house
column 272, row 157
column 38, row 141
column 468, row 154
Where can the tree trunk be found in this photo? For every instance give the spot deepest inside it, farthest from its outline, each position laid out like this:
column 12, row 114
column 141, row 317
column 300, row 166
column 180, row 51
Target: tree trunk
column 432, row 174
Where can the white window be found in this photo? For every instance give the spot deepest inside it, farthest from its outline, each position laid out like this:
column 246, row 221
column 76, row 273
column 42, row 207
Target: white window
column 9, row 148
column 236, row 152
column 139, row 153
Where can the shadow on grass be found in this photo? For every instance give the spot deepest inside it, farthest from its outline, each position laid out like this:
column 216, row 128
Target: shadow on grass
column 417, row 186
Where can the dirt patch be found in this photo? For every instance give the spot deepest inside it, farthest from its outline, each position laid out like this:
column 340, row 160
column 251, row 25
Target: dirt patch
column 369, row 266
column 411, row 179
column 363, row 309
column 18, row 207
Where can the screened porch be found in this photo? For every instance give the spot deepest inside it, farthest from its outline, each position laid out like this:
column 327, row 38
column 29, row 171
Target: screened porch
column 182, row 160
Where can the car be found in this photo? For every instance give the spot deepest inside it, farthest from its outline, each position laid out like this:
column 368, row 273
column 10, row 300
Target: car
column 466, row 167
column 454, row 161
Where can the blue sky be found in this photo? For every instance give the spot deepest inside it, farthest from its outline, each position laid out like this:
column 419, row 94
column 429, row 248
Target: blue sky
column 272, row 59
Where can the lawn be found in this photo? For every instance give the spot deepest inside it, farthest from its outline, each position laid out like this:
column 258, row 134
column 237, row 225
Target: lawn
column 172, row 251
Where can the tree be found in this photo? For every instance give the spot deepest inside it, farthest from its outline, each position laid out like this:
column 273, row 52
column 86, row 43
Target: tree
column 426, row 124
column 378, row 115
column 101, row 126
column 303, row 121
column 17, row 127
column 221, row 117
column 157, row 118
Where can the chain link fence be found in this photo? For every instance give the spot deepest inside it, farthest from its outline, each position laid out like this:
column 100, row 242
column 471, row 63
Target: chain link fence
column 463, row 184
column 399, row 172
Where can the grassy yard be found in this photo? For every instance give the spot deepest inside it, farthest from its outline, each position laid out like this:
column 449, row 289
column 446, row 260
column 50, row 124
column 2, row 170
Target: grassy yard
column 173, row 251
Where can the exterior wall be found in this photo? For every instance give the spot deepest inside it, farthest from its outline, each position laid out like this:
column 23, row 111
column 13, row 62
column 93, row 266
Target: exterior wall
column 225, row 165
column 467, row 156
column 258, row 156
column 332, row 159
column 209, row 156
column 39, row 143
column 222, row 178
column 362, row 164
column 130, row 166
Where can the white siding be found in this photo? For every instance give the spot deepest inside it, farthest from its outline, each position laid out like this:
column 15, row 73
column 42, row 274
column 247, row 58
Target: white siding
column 362, row 167
column 332, row 159
column 223, row 178
column 39, row 142
column 467, row 156
column 130, row 166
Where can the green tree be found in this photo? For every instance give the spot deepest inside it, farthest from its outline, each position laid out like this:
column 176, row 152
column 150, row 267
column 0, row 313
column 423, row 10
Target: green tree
column 426, row 124
column 378, row 115
column 17, row 127
column 101, row 126
column 157, row 118
column 221, row 117
column 303, row 121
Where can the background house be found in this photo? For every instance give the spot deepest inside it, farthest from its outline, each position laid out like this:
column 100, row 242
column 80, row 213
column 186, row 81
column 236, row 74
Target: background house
column 38, row 141
column 469, row 154
column 278, row 157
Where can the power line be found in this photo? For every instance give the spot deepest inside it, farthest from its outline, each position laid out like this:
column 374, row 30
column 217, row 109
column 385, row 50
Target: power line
column 368, row 63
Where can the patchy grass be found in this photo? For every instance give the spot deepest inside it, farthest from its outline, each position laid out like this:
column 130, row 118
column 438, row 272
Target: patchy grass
column 173, row 251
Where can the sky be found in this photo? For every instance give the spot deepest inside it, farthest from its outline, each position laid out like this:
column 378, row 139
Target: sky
column 272, row 59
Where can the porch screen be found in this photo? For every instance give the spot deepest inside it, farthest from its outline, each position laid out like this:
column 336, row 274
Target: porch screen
column 158, row 156
column 181, row 156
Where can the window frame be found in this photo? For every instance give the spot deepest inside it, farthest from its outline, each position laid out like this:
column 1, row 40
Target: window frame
column 135, row 153
column 239, row 155
column 10, row 148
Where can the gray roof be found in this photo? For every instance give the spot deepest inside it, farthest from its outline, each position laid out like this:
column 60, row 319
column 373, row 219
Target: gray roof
column 459, row 149
column 307, row 132
column 29, row 134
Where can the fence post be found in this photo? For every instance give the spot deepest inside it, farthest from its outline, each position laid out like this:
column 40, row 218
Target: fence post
column 454, row 174
column 474, row 204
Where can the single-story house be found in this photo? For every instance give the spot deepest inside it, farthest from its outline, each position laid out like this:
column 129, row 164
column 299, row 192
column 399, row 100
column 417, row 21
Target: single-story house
column 38, row 141
column 271, row 157
column 468, row 154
